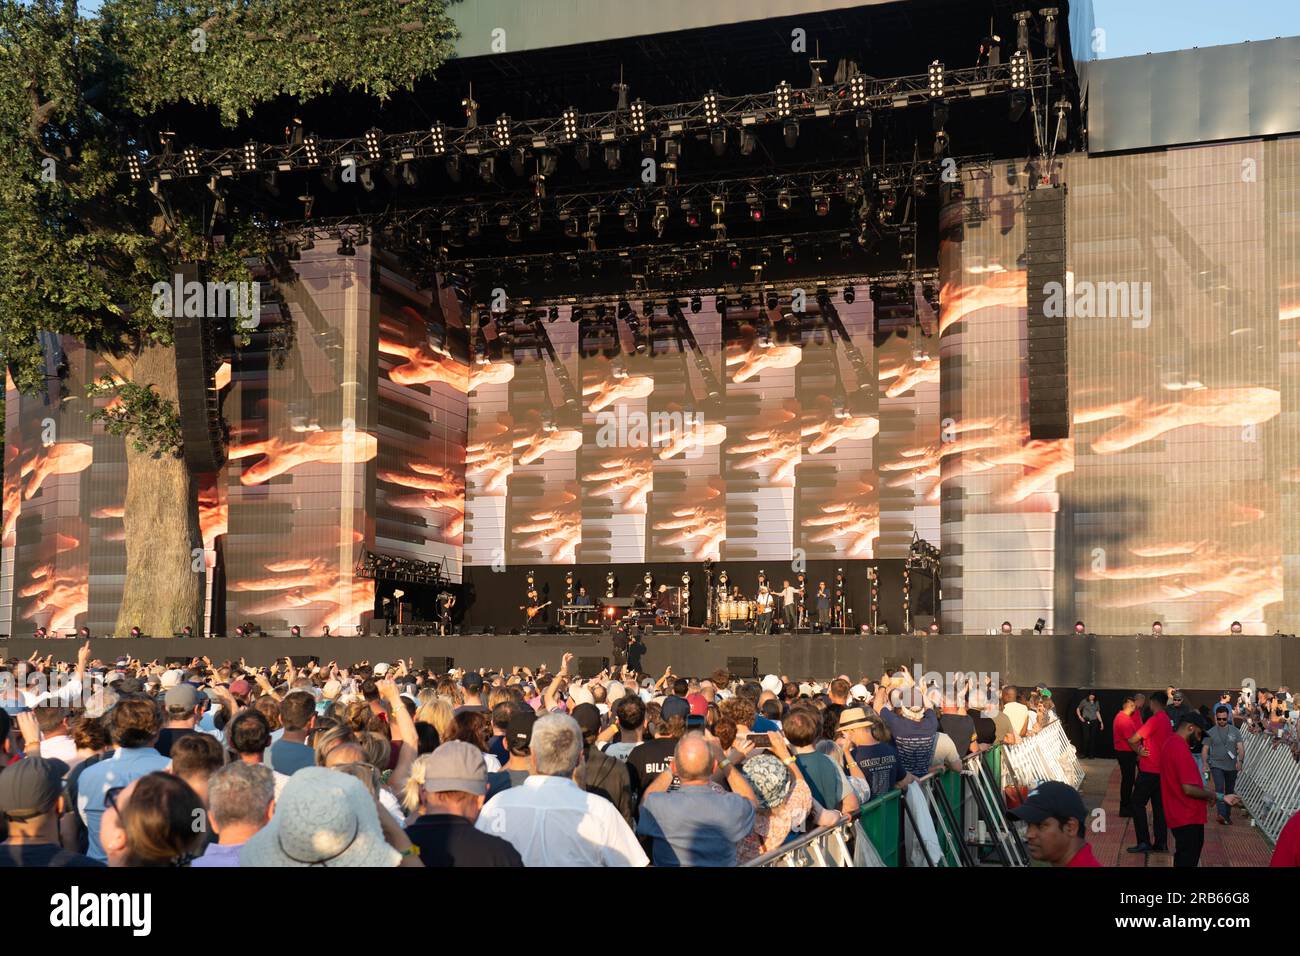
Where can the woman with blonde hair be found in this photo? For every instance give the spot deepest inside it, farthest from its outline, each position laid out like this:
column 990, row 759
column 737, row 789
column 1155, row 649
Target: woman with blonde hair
column 437, row 712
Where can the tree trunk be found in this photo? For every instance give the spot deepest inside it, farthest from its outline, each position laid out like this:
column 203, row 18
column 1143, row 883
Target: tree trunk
column 163, row 592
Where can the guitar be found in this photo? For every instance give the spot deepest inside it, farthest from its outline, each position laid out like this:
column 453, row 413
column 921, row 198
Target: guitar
column 532, row 612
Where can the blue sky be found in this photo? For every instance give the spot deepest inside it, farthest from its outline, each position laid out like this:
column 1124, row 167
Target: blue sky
column 1134, row 27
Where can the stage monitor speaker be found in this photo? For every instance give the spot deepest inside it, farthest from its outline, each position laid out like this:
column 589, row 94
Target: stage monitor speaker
column 1047, row 349
column 439, row 665
column 589, row 667
column 742, row 666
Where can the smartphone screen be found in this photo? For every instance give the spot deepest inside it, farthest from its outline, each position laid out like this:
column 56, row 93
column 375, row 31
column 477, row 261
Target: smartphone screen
column 760, row 740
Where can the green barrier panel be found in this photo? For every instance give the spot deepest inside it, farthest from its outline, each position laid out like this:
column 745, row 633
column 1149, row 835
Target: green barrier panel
column 951, row 784
column 881, row 821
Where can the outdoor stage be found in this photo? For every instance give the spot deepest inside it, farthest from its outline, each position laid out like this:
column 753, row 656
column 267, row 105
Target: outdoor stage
column 1199, row 662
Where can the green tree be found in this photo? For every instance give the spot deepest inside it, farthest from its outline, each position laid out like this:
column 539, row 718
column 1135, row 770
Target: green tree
column 81, row 245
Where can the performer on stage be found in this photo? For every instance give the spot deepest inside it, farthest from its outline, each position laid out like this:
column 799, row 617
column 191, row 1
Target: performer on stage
column 823, row 599
column 789, row 610
column 765, row 603
column 446, row 601
column 534, row 613
column 583, row 599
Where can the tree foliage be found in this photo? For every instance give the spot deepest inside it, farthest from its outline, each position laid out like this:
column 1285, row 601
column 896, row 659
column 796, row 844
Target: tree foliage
column 80, row 244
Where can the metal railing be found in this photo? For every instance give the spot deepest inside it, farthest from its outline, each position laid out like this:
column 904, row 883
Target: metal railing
column 1048, row 755
column 965, row 813
column 1269, row 783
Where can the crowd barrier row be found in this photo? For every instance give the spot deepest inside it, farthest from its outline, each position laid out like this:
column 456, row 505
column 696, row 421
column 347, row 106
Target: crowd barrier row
column 1269, row 783
column 946, row 818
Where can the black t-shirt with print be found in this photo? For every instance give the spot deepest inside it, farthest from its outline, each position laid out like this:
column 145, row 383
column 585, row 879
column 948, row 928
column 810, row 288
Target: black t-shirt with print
column 647, row 761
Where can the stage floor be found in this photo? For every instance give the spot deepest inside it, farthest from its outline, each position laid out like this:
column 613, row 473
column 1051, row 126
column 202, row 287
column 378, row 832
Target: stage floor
column 1201, row 662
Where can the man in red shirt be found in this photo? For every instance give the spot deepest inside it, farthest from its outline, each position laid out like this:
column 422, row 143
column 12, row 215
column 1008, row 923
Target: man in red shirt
column 1147, row 742
column 1055, row 814
column 1124, row 725
column 1287, row 851
column 1186, row 799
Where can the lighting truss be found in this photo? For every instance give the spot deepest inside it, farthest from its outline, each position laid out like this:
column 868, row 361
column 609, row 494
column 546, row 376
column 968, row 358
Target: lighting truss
column 859, row 95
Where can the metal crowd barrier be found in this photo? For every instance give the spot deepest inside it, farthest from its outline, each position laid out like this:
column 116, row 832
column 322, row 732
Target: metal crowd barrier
column 1044, row 756
column 1269, row 783
column 966, row 811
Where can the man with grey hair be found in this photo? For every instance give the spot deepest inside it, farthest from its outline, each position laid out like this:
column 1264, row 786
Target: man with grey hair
column 551, row 820
column 241, row 799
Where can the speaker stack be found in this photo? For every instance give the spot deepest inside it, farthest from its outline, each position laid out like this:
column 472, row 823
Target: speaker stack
column 1048, row 354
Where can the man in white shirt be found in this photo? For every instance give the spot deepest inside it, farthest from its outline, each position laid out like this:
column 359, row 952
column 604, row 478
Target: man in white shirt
column 788, row 609
column 1016, row 712
column 549, row 819
column 56, row 739
column 765, row 603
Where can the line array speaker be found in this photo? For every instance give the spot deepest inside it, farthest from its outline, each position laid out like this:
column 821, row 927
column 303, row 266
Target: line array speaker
column 1048, row 352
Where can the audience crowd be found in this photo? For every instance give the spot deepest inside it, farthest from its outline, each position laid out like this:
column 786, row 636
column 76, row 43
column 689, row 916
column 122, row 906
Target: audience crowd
column 225, row 764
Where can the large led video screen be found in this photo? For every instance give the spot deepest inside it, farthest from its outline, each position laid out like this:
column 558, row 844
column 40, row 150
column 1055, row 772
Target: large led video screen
column 741, row 433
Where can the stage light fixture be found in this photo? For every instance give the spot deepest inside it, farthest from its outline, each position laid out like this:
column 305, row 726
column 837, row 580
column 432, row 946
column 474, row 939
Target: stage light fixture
column 571, row 227
column 1022, row 18
column 250, row 155
column 312, row 150
column 437, row 139
column 1016, row 106
column 638, row 116
column 190, row 161
column 773, row 300
column 518, row 156
column 790, row 132
column 849, row 295
column 692, row 214
column 593, row 220
column 582, row 154
column 918, row 185
column 718, row 140
column 717, row 205
column 1019, row 70
column 367, row 179
column 746, row 302
column 720, row 304
column 858, row 91
column 733, row 257
column 936, row 80
column 696, row 303
column 755, row 202
column 783, row 199
column 513, row 231
column 577, row 314
column 133, row 167
column 862, row 123
column 624, row 310
column 940, row 143
column 821, row 202
column 374, row 139
column 503, row 130
column 487, row 168
column 660, row 219
column 711, row 107
column 748, row 142
column 1049, row 15
column 570, row 120
column 552, row 314
column 408, row 175
column 473, row 227
column 783, row 99
column 346, row 246
column 453, row 167
column 788, row 253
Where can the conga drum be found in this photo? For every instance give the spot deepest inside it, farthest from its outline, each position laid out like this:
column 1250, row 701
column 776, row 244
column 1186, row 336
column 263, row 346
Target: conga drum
column 724, row 611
